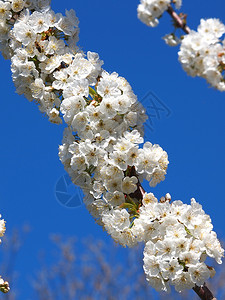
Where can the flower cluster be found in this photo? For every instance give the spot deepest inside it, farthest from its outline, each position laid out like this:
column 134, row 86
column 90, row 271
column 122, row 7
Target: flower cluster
column 180, row 238
column 171, row 40
column 102, row 147
column 2, row 228
column 10, row 12
column 4, row 285
column 42, row 47
column 149, row 11
column 202, row 52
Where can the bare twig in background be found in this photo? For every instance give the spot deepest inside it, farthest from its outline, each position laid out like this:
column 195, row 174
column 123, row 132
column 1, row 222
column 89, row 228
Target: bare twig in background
column 180, row 23
column 12, row 246
column 102, row 271
column 90, row 270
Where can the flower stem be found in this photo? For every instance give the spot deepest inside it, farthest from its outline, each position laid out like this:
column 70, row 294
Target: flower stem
column 92, row 92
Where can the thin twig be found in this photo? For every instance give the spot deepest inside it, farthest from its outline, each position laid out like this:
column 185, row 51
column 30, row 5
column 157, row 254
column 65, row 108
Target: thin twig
column 179, row 22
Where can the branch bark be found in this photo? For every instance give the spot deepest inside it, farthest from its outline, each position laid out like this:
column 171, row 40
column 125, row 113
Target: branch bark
column 179, row 22
column 139, row 193
column 203, row 292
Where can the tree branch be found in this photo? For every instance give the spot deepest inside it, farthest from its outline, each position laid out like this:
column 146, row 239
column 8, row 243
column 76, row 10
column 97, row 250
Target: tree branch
column 178, row 21
column 139, row 193
column 203, row 292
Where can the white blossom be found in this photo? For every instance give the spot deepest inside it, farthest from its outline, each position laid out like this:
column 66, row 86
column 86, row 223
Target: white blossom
column 202, row 52
column 149, row 11
column 178, row 250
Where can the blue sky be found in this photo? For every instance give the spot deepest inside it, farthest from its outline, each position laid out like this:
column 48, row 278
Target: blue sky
column 192, row 134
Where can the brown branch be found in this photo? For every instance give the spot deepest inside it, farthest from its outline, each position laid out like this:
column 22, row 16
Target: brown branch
column 178, row 21
column 203, row 292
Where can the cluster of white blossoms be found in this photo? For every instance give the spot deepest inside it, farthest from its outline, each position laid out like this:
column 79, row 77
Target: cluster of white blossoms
column 171, row 40
column 202, row 53
column 180, row 238
column 4, row 285
column 149, row 11
column 2, row 228
column 10, row 11
column 42, row 47
column 103, row 148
